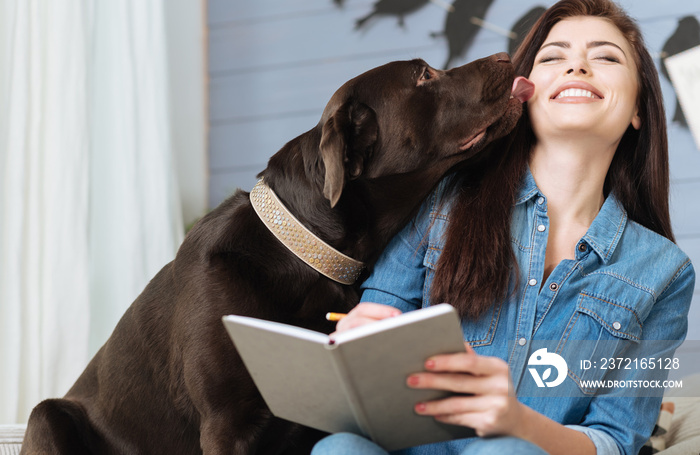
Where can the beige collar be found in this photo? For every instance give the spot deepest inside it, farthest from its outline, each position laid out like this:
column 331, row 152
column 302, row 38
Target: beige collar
column 299, row 240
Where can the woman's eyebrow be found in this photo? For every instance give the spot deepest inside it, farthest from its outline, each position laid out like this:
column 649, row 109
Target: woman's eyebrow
column 591, row 44
column 564, row 44
column 604, row 43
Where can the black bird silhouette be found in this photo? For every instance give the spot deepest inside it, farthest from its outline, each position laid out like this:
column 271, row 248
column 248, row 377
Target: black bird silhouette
column 398, row 8
column 339, row 3
column 686, row 36
column 459, row 28
column 523, row 26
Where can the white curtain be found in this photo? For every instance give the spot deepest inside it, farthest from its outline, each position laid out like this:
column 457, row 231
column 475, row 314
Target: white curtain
column 89, row 209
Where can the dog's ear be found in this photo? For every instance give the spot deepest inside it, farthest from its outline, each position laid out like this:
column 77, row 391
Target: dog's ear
column 347, row 139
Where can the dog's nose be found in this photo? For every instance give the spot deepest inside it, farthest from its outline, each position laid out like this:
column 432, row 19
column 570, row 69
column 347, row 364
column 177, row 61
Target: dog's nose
column 502, row 57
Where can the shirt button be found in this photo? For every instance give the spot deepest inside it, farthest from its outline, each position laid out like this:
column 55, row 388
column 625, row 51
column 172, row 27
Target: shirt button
column 522, row 341
column 554, row 286
column 616, row 325
column 532, row 282
column 541, row 228
column 540, row 200
column 582, row 247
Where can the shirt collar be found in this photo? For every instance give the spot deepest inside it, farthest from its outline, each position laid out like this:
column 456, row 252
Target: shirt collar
column 607, row 227
column 528, row 188
column 604, row 233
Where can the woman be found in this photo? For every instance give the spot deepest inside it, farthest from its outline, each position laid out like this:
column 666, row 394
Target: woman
column 565, row 244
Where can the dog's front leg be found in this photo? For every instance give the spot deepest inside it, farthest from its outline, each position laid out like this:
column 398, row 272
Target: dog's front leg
column 222, row 435
column 268, row 436
column 232, row 414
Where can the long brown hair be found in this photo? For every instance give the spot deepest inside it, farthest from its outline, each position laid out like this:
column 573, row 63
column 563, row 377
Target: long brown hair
column 477, row 262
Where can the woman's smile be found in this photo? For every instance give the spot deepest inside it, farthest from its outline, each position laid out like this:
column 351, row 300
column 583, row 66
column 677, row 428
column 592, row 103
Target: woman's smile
column 586, row 81
column 576, row 92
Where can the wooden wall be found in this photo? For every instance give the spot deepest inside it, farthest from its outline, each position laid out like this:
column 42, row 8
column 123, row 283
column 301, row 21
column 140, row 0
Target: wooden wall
column 273, row 65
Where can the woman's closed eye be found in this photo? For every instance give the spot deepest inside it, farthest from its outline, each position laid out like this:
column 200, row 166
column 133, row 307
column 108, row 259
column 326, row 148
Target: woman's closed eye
column 608, row 58
column 549, row 58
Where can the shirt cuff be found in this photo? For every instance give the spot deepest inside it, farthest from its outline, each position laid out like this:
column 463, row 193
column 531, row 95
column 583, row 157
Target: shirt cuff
column 603, row 442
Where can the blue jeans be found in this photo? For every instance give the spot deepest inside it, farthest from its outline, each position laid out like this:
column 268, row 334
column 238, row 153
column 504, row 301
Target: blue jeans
column 351, row 444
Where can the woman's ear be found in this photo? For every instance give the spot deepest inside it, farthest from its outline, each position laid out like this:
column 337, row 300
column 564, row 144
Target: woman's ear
column 636, row 120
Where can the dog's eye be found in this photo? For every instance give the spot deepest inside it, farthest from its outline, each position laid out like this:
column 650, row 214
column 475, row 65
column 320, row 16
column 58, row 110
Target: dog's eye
column 426, row 75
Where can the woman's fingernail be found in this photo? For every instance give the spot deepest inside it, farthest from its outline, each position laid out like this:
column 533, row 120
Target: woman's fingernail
column 420, row 408
column 413, row 380
column 430, row 364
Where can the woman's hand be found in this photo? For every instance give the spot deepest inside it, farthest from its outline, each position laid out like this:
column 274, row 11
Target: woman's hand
column 364, row 313
column 490, row 409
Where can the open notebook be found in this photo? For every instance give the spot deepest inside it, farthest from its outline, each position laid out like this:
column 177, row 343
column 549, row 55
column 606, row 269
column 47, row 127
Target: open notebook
column 355, row 382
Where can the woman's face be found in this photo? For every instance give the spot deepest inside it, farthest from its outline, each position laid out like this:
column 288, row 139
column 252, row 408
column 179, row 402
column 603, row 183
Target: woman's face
column 586, row 82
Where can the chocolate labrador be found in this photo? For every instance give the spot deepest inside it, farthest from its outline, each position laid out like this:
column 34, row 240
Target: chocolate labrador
column 168, row 380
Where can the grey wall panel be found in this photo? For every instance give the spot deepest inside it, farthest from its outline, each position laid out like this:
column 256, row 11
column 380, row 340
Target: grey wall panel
column 250, row 144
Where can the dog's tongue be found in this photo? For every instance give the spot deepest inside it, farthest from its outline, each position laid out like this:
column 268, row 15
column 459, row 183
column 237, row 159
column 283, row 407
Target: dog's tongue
column 522, row 89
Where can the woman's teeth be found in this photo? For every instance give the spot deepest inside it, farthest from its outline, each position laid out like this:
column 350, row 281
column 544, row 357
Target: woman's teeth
column 575, row 92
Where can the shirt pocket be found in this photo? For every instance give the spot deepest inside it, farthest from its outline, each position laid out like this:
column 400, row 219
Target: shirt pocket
column 478, row 333
column 598, row 334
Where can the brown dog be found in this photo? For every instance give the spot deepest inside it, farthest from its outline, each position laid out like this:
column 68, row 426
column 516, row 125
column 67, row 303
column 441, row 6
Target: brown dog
column 169, row 381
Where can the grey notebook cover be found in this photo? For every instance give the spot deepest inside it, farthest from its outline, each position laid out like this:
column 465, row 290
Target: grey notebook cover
column 357, row 383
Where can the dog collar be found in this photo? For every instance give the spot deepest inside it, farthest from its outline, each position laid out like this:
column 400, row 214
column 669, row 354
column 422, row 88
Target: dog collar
column 299, row 240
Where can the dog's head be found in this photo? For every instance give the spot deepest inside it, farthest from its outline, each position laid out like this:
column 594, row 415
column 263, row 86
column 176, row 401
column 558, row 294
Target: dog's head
column 405, row 116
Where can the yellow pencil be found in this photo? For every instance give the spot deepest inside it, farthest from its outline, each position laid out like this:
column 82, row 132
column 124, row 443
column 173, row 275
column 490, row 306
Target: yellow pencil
column 334, row 317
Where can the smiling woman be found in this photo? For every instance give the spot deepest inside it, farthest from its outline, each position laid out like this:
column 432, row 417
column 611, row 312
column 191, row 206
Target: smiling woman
column 544, row 249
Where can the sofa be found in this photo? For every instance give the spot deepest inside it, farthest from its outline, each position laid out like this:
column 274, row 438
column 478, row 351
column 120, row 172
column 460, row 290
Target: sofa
column 11, row 439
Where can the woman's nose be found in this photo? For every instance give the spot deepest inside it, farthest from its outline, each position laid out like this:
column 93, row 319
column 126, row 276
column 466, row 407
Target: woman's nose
column 579, row 67
column 580, row 70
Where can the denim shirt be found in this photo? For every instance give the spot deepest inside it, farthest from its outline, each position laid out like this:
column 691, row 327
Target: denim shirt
column 625, row 296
